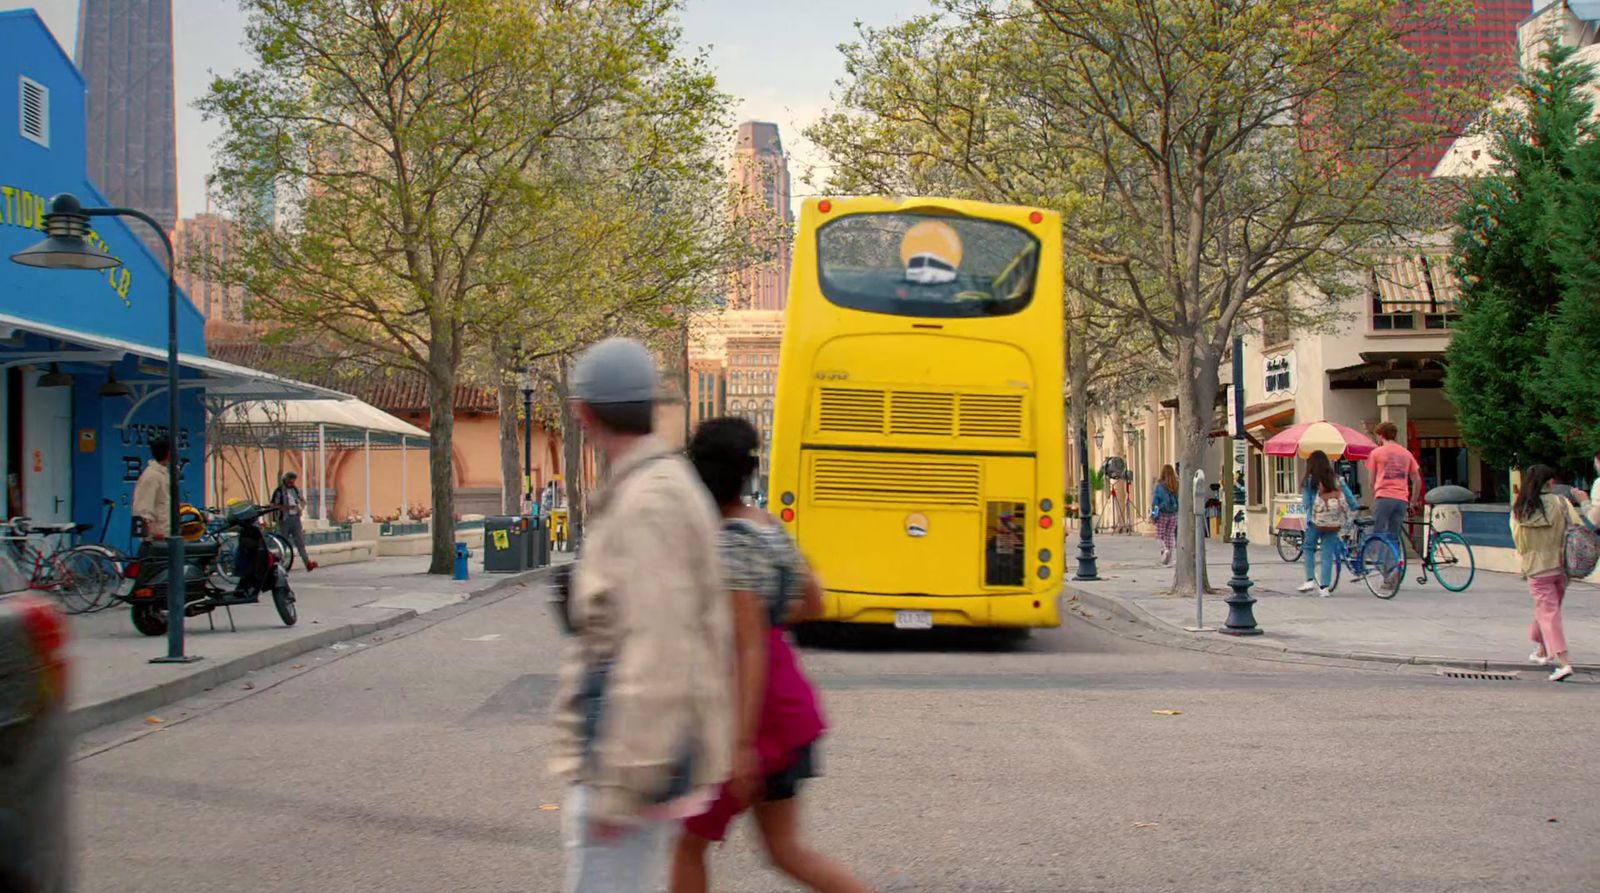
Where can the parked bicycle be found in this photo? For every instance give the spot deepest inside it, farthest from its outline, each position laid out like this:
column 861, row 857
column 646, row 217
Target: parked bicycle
column 1444, row 553
column 1374, row 559
column 82, row 578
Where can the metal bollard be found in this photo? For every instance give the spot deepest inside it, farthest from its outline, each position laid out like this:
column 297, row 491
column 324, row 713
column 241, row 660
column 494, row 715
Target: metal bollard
column 1199, row 508
column 462, row 556
column 1241, row 614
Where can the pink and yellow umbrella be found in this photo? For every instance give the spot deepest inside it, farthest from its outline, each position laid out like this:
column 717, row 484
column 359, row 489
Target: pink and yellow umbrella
column 1338, row 441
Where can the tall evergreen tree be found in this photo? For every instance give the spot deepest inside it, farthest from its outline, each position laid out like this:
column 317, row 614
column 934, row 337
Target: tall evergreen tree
column 1513, row 268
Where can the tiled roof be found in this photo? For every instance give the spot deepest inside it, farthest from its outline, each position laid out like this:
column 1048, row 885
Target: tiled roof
column 392, row 390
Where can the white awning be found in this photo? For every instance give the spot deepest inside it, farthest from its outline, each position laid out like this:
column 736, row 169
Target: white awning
column 219, row 380
column 350, row 415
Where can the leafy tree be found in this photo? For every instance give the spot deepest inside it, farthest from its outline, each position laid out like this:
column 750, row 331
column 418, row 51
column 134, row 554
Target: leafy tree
column 399, row 138
column 1521, row 371
column 1206, row 156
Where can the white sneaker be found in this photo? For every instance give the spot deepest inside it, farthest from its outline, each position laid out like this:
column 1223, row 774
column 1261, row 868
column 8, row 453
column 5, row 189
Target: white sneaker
column 1324, row 593
column 1308, row 586
column 1166, row 556
column 1561, row 673
column 1538, row 658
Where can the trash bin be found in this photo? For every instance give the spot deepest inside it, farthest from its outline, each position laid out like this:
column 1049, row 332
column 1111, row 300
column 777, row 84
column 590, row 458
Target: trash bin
column 504, row 549
column 538, row 540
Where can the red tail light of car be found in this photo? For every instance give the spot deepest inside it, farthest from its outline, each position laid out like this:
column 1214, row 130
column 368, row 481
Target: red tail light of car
column 47, row 632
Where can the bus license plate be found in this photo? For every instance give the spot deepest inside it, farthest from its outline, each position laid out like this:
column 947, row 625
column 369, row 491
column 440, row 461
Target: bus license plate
column 913, row 620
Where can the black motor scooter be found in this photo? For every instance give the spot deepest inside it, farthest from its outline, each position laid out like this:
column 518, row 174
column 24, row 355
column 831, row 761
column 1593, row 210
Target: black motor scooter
column 258, row 571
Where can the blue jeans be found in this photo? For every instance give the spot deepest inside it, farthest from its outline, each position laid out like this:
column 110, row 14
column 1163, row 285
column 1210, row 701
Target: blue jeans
column 634, row 862
column 1323, row 542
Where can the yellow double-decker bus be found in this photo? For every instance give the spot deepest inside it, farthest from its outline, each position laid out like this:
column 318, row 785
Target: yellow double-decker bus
column 918, row 442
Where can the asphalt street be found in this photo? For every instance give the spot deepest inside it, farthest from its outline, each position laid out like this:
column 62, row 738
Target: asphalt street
column 417, row 763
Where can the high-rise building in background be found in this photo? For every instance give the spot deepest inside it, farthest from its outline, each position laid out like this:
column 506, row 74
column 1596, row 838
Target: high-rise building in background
column 1484, row 48
column 125, row 54
column 760, row 172
column 200, row 242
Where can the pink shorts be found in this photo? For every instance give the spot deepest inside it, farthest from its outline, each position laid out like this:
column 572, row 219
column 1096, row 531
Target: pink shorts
column 782, row 784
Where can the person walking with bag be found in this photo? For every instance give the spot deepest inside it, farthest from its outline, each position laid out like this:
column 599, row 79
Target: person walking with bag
column 1164, row 511
column 1328, row 505
column 778, row 719
column 291, row 505
column 644, row 711
column 1539, row 521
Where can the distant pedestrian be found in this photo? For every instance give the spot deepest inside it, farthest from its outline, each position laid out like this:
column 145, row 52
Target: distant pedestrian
column 291, row 505
column 1539, row 522
column 644, row 712
column 1396, row 490
column 1164, row 511
column 778, row 722
column 1328, row 505
column 152, row 498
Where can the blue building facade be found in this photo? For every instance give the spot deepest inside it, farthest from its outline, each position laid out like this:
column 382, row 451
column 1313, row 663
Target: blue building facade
column 72, row 446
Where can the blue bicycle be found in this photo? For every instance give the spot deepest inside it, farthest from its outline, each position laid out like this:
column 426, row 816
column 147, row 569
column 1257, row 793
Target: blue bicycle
column 1374, row 559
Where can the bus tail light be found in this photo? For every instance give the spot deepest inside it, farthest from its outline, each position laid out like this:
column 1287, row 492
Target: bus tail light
column 1045, row 521
column 787, row 498
column 787, row 515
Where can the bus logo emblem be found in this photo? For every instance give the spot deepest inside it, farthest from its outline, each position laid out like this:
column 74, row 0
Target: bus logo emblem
column 916, row 525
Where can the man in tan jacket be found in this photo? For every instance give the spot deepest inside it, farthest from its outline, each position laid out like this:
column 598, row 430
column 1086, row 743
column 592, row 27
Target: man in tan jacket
column 152, row 499
column 644, row 711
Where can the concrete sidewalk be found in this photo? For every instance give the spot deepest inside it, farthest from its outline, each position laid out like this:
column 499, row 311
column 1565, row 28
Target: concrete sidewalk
column 112, row 677
column 1485, row 626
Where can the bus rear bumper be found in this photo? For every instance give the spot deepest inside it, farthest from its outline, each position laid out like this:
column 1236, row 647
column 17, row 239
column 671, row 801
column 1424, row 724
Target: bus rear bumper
column 1015, row 611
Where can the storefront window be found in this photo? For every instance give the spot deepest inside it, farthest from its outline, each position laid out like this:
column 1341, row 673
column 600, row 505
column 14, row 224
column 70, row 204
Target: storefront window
column 1283, row 482
column 1443, row 465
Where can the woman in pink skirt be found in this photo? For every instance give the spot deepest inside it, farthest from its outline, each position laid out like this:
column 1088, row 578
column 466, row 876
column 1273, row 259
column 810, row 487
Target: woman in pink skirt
column 1164, row 511
column 779, row 719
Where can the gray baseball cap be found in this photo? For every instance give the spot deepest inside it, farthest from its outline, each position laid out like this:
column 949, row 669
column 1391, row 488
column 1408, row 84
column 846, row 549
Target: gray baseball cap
column 617, row 370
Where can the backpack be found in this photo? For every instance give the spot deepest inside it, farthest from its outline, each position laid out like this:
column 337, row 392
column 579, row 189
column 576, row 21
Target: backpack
column 1581, row 550
column 1329, row 513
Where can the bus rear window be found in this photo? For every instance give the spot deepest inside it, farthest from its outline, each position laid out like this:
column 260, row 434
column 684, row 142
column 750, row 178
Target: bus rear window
column 929, row 265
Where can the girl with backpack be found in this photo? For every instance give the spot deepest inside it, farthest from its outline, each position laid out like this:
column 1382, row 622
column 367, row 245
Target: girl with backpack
column 779, row 720
column 1539, row 521
column 1328, row 505
column 1164, row 511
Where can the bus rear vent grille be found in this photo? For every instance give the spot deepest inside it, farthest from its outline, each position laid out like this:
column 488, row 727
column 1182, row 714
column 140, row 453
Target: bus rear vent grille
column 850, row 410
column 882, row 481
column 919, row 413
column 991, row 415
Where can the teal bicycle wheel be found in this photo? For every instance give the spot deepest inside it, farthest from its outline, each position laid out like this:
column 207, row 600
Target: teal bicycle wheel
column 1450, row 559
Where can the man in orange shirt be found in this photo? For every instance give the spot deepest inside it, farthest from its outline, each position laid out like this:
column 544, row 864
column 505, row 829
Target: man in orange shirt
column 1396, row 482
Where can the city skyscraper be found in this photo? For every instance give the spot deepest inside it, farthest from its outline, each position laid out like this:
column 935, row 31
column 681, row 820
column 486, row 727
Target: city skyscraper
column 1485, row 47
column 125, row 53
column 760, row 172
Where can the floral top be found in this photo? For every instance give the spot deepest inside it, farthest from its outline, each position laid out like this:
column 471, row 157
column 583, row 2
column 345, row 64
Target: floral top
column 764, row 560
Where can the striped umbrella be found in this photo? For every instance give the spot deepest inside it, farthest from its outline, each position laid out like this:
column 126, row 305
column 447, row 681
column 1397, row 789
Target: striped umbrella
column 1338, row 441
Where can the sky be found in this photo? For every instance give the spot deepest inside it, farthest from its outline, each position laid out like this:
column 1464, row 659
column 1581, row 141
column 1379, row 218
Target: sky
column 780, row 63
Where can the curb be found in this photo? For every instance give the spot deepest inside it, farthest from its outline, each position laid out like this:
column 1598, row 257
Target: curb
column 1242, row 646
column 91, row 716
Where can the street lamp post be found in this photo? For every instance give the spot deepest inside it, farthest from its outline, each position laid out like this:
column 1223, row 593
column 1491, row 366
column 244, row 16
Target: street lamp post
column 65, row 247
column 527, row 438
column 1087, row 569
